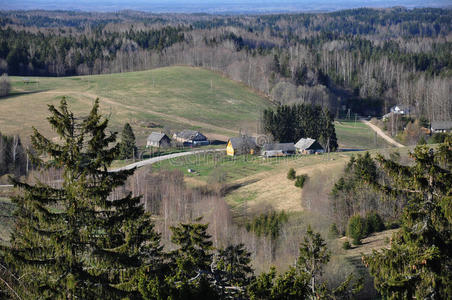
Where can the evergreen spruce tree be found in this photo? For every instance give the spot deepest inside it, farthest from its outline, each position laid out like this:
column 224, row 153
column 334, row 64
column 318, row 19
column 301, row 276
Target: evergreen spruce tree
column 234, row 262
column 74, row 241
column 128, row 148
column 419, row 262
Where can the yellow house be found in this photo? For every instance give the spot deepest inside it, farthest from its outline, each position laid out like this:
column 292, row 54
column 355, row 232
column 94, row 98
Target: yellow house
column 241, row 145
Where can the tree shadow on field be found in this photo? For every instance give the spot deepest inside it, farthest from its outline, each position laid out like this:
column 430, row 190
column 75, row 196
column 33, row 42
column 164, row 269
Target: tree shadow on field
column 18, row 94
column 232, row 187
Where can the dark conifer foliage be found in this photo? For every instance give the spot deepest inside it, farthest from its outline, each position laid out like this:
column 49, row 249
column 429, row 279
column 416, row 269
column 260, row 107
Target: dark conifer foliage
column 419, row 262
column 74, row 241
column 290, row 123
column 128, row 148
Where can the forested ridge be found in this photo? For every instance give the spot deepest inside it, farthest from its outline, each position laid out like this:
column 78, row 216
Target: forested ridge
column 363, row 59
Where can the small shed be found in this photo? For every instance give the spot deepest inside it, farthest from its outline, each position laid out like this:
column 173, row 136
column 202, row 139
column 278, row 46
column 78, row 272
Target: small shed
column 159, row 140
column 191, row 137
column 308, row 146
column 278, row 149
column 441, row 126
column 241, row 145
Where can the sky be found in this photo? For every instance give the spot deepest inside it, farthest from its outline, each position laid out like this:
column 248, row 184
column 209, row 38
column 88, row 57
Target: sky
column 213, row 6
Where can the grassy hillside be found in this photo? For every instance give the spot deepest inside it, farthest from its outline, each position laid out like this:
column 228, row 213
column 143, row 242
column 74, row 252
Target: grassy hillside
column 170, row 98
column 173, row 98
column 357, row 135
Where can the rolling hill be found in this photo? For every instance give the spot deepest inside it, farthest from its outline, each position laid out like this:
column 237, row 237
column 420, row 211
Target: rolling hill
column 170, row 98
column 173, row 97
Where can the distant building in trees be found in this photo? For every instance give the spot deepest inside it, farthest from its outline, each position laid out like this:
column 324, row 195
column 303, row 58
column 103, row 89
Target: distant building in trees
column 191, row 137
column 278, row 149
column 441, row 126
column 159, row 140
column 401, row 110
column 308, row 146
column 241, row 145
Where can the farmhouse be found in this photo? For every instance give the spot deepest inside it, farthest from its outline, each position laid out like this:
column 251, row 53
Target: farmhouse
column 241, row 145
column 278, row 149
column 159, row 140
column 191, row 137
column 401, row 110
column 308, row 146
column 441, row 126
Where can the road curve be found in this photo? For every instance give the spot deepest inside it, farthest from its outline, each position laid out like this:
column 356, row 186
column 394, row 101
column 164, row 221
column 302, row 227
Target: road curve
column 153, row 160
column 382, row 134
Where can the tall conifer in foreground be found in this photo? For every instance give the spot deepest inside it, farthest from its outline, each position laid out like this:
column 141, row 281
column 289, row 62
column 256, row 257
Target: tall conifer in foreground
column 74, row 241
column 127, row 146
column 419, row 262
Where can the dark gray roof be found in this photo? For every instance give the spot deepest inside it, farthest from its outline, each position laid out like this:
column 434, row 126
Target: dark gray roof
column 188, row 134
column 288, row 147
column 238, row 142
column 155, row 137
column 306, row 143
column 444, row 125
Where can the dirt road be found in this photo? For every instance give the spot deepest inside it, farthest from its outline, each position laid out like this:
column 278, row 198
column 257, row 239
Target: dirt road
column 382, row 134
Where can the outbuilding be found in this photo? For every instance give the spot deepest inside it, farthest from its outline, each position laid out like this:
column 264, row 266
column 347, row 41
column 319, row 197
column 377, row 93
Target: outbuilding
column 241, row 145
column 191, row 137
column 159, row 140
column 278, row 149
column 308, row 146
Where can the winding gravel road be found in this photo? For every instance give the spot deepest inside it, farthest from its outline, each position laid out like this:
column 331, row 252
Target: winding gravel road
column 153, row 160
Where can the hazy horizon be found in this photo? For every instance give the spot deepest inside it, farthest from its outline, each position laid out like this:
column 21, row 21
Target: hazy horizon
column 214, row 7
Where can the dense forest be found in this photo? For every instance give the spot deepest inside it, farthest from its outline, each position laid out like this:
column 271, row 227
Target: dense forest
column 365, row 60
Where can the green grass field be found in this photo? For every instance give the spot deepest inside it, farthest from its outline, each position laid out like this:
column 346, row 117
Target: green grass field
column 173, row 98
column 170, row 98
column 357, row 135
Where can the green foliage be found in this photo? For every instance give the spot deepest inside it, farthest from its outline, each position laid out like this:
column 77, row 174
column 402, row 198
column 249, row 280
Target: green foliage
column 354, row 194
column 333, row 231
column 346, row 245
column 419, row 261
column 127, row 148
column 74, row 241
column 438, row 137
column 235, row 262
column 268, row 224
column 291, row 123
column 301, row 179
column 374, row 223
column 291, row 174
column 357, row 229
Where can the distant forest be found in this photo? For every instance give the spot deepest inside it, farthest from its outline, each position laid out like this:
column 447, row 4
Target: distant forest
column 365, row 60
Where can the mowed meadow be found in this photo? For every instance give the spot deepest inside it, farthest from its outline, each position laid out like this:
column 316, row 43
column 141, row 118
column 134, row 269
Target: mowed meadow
column 167, row 98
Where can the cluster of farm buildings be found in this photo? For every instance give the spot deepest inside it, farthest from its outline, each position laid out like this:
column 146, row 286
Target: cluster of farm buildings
column 237, row 145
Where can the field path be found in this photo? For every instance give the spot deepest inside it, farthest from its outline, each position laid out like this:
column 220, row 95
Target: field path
column 103, row 99
column 382, row 134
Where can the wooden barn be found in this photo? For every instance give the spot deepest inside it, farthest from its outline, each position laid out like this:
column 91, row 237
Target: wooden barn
column 278, row 149
column 308, row 146
column 191, row 137
column 159, row 140
column 241, row 145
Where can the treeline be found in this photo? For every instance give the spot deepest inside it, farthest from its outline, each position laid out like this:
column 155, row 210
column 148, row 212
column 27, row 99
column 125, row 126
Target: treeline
column 363, row 59
column 290, row 123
